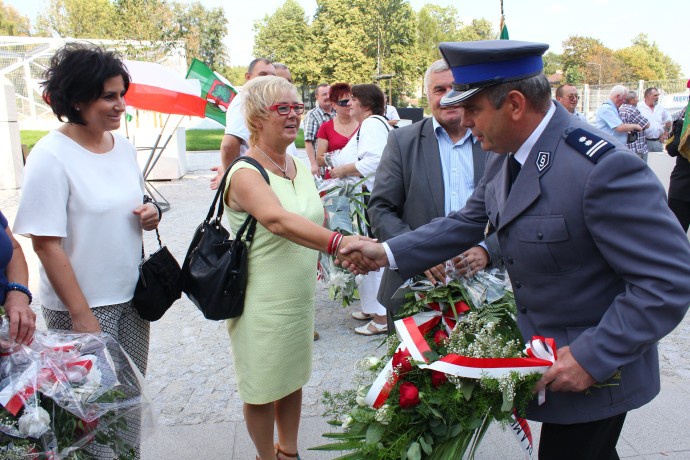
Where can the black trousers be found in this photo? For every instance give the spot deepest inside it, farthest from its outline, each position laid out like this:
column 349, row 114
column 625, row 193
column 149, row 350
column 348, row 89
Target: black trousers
column 581, row 441
column 682, row 211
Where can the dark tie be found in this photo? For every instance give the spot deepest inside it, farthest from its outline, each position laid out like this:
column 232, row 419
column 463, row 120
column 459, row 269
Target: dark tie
column 514, row 167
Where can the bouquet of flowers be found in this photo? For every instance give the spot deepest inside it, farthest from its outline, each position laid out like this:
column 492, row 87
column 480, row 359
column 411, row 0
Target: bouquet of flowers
column 458, row 365
column 64, row 391
column 345, row 212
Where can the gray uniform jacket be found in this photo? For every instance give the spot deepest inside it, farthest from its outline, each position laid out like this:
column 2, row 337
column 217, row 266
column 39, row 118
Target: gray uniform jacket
column 596, row 258
column 409, row 191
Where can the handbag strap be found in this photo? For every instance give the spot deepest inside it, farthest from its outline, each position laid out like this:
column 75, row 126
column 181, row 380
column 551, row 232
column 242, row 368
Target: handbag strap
column 249, row 223
column 148, row 199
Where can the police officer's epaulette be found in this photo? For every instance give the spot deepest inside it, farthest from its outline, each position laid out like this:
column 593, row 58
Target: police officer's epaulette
column 588, row 144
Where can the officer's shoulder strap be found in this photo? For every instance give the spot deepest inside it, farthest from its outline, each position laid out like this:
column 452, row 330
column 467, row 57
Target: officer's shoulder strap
column 588, row 144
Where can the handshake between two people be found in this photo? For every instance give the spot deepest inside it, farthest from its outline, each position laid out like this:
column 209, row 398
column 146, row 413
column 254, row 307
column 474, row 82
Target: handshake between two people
column 361, row 255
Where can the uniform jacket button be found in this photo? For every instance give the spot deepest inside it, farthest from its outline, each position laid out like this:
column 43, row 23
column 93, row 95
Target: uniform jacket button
column 522, row 309
column 540, row 235
column 517, row 284
column 510, row 260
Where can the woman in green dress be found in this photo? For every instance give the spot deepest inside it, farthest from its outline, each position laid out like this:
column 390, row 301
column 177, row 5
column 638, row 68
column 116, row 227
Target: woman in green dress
column 272, row 340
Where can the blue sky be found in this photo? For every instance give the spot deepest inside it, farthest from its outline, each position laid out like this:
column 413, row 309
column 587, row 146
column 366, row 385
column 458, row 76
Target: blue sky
column 614, row 22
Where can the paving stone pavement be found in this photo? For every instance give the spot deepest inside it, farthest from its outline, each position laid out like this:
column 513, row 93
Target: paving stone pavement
column 192, row 382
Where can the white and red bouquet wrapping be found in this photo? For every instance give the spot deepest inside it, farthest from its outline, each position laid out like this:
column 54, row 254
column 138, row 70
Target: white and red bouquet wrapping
column 458, row 364
column 66, row 390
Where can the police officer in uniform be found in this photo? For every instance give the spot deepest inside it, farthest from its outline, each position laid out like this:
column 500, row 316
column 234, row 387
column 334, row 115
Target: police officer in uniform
column 596, row 258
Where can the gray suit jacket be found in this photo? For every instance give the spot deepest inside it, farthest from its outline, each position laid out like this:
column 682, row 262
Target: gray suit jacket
column 596, row 258
column 409, row 191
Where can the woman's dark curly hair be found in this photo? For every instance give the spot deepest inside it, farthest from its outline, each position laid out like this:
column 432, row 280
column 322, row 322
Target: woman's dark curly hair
column 76, row 75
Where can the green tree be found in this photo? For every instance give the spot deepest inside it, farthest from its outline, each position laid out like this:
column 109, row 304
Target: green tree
column 202, row 30
column 552, row 63
column 285, row 36
column 645, row 61
column 358, row 40
column 478, row 29
column 13, row 23
column 392, row 41
column 235, row 74
column 339, row 36
column 78, row 19
column 435, row 24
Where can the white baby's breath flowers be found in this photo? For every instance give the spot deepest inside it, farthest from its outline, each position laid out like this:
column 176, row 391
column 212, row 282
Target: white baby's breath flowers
column 383, row 415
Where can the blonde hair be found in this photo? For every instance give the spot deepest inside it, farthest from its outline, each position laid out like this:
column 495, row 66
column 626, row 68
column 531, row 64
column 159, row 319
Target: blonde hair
column 258, row 94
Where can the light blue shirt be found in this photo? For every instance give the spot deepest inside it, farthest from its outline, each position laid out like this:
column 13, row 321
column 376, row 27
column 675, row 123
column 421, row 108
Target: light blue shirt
column 457, row 166
column 608, row 119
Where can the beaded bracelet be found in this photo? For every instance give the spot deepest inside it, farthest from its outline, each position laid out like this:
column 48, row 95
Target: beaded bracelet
column 21, row 288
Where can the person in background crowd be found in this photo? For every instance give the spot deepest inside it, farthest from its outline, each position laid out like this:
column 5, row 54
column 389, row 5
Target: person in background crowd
column 15, row 296
column 427, row 170
column 234, row 143
column 679, row 184
column 568, row 97
column 83, row 206
column 391, row 113
column 282, row 71
column 575, row 216
column 272, row 340
column 609, row 120
column 313, row 121
column 360, row 158
column 630, row 114
column 335, row 133
column 659, row 120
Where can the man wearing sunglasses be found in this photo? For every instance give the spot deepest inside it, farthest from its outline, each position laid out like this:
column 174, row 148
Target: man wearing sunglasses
column 567, row 96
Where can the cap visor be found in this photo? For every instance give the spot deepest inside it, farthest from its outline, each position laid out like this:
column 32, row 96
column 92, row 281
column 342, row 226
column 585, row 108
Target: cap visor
column 454, row 97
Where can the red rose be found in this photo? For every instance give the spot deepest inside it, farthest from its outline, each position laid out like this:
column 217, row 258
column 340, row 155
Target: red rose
column 84, row 427
column 440, row 337
column 402, row 363
column 409, row 395
column 438, row 378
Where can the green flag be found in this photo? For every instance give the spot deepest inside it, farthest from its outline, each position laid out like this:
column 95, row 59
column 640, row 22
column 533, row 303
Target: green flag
column 217, row 91
column 504, row 29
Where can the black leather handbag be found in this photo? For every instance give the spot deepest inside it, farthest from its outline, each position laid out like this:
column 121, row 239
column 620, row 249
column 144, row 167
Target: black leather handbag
column 158, row 286
column 214, row 272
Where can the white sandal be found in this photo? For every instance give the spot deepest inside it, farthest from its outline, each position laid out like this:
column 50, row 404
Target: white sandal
column 361, row 316
column 372, row 328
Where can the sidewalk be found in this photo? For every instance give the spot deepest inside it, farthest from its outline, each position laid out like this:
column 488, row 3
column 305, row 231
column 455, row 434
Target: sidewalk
column 192, row 382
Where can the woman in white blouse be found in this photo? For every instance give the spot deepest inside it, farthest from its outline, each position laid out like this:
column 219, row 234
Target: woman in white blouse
column 360, row 159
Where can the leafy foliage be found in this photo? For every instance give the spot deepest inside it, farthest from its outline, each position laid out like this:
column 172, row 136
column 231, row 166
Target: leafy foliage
column 157, row 25
column 13, row 23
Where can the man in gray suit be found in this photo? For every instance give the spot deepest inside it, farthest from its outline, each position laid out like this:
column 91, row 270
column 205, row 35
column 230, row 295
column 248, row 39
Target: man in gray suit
column 596, row 258
column 427, row 170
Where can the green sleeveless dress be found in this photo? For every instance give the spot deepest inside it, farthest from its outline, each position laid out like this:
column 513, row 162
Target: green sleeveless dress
column 272, row 340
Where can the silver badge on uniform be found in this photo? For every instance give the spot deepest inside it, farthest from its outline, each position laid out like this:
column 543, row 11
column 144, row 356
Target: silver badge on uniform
column 543, row 159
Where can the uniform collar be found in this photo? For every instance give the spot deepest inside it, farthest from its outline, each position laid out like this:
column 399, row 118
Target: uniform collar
column 523, row 152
